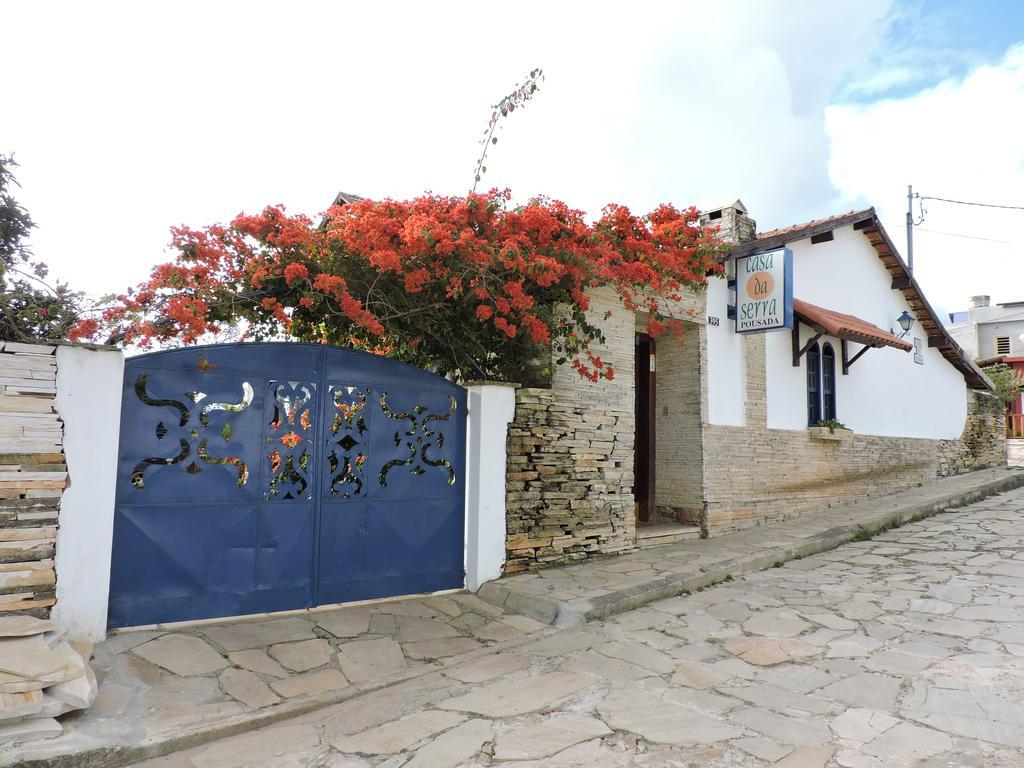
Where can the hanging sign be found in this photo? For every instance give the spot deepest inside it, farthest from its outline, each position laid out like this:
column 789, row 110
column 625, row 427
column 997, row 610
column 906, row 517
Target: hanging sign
column 764, row 291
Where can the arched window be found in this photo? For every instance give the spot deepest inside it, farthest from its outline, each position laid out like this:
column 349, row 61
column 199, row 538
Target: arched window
column 828, row 381
column 813, row 385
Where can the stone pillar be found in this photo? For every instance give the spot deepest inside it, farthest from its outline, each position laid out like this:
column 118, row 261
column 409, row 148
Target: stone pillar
column 756, row 380
column 491, row 407
column 679, row 464
column 89, row 384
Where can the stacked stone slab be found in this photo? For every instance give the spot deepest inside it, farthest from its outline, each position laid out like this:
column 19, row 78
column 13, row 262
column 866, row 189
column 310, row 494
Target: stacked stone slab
column 569, row 481
column 41, row 677
column 570, row 457
column 983, row 442
column 32, row 477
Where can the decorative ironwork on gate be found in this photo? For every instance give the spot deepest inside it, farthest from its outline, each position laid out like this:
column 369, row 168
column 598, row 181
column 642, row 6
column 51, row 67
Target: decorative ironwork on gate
column 257, row 477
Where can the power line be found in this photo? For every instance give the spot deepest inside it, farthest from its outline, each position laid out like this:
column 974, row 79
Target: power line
column 965, row 202
column 911, row 223
column 966, row 237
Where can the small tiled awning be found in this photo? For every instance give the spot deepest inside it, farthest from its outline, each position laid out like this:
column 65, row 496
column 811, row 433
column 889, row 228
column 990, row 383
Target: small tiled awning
column 831, row 323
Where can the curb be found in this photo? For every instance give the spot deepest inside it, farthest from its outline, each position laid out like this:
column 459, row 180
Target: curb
column 574, row 612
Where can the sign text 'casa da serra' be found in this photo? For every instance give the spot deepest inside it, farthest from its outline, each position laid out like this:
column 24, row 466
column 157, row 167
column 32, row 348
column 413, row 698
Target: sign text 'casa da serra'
column 764, row 291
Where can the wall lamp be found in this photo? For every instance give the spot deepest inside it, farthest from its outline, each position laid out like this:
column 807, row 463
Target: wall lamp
column 906, row 322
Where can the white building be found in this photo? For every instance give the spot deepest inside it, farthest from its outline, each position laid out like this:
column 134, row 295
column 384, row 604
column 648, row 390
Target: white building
column 985, row 331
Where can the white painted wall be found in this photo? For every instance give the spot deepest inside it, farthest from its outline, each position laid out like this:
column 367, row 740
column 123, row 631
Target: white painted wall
column 886, row 392
column 491, row 408
column 1011, row 327
column 726, row 363
column 89, row 402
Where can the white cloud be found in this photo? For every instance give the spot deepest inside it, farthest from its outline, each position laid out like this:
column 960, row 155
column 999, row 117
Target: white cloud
column 132, row 117
column 960, row 140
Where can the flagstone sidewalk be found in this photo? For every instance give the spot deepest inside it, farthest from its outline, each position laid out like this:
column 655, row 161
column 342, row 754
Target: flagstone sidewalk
column 601, row 587
column 171, row 687
column 168, row 687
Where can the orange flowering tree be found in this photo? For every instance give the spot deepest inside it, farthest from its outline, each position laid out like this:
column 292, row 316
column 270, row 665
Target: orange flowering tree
column 472, row 287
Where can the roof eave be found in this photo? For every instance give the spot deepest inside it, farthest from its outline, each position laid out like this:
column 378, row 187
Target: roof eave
column 937, row 335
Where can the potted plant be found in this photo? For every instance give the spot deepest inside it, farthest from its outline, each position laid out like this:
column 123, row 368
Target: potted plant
column 831, row 430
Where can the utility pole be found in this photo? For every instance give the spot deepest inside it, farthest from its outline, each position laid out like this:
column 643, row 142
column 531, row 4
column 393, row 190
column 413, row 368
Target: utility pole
column 910, row 229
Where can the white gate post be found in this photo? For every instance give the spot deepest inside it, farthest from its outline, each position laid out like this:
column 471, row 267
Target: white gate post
column 491, row 407
column 89, row 382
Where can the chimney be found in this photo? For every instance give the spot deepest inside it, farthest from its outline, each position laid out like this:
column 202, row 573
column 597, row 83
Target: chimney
column 734, row 225
column 974, row 302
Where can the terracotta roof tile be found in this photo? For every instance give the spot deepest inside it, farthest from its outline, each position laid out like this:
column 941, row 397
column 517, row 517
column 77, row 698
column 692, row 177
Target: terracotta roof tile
column 796, row 228
column 845, row 326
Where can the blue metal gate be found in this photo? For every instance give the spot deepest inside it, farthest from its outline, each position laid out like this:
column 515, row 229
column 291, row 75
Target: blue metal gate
column 272, row 476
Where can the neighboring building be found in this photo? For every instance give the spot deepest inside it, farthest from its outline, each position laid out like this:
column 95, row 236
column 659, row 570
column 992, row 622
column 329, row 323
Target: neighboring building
column 992, row 335
column 1014, row 411
column 715, row 430
column 985, row 331
column 1014, row 408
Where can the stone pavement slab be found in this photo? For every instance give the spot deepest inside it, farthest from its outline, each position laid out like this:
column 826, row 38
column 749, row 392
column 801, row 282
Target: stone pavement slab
column 453, row 747
column 363, row 660
column 302, row 655
column 397, row 736
column 548, row 737
column 518, row 696
column 183, row 655
column 245, row 686
column 661, row 721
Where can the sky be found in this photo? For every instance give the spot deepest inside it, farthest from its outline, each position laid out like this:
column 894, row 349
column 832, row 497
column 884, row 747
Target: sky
column 129, row 118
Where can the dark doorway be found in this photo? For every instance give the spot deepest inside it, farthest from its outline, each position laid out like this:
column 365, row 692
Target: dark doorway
column 643, row 464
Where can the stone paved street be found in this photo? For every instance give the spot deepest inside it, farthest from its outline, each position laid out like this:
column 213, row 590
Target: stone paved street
column 903, row 650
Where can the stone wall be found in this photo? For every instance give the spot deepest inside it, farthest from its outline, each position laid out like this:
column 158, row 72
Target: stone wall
column 570, row 457
column 32, row 476
column 758, row 475
column 983, row 442
column 569, row 481
column 45, row 675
